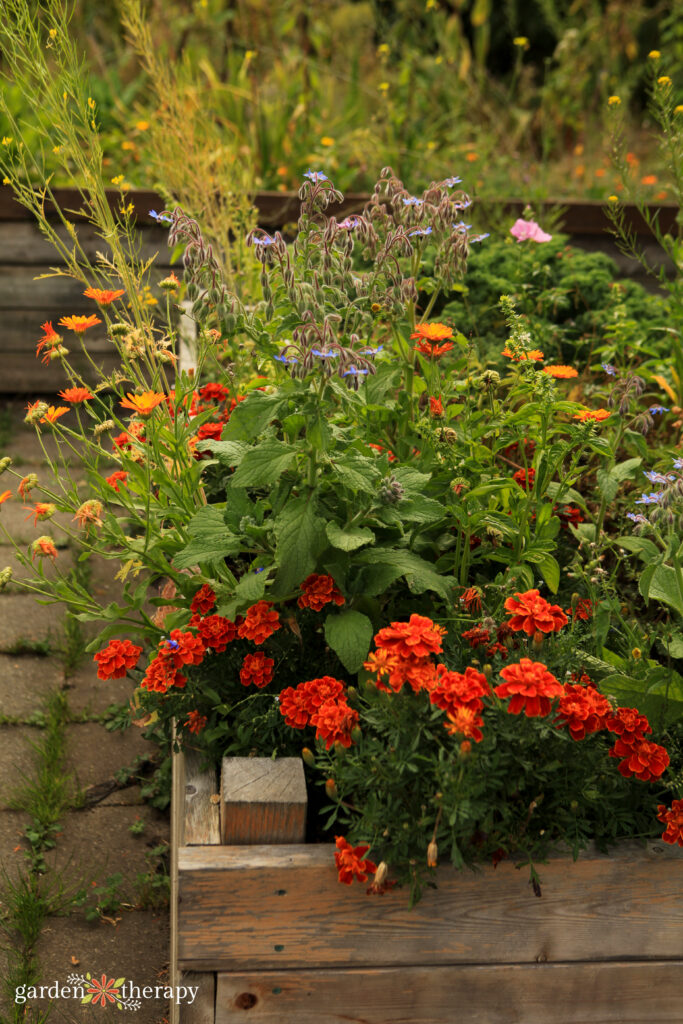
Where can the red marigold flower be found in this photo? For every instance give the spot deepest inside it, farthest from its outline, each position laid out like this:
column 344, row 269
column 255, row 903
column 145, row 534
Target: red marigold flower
column 628, row 724
column 334, row 721
column 380, row 448
column 44, row 546
column 497, row 648
column 583, row 710
column 79, row 323
column 583, row 610
column 673, row 816
column 463, row 720
column 351, row 861
column 319, row 591
column 210, row 432
column 217, row 632
column 103, row 297
column 294, row 707
column 531, row 612
column 195, row 722
column 75, row 395
column 596, row 415
column 204, row 600
column 569, row 516
column 525, row 478
column 214, row 392
column 418, row 638
column 435, row 406
column 119, row 476
column 260, row 622
column 143, row 404
column 183, row 648
column 316, row 692
column 116, row 659
column 645, row 760
column 530, row 686
column 459, row 689
column 471, row 598
column 161, row 674
column 477, row 636
column 256, row 669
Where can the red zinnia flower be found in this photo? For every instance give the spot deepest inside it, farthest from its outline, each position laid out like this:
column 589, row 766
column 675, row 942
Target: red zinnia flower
column 204, row 600
column 532, row 613
column 351, row 863
column 673, row 816
column 319, row 591
column 216, row 632
column 531, row 688
column 256, row 669
column 195, row 722
column 116, row 659
column 583, row 710
column 645, row 760
column 259, row 623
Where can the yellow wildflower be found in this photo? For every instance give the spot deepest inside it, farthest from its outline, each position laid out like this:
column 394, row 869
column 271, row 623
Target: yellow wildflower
column 142, row 126
column 53, row 33
column 521, row 41
column 678, row 109
column 614, row 101
column 664, row 80
column 327, row 141
column 384, row 87
column 91, row 103
column 612, row 199
column 6, row 139
column 654, row 55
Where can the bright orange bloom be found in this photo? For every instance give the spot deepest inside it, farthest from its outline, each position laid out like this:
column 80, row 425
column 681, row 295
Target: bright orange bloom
column 647, row 761
column 116, row 659
column 583, row 709
column 471, row 598
column 649, row 179
column 464, row 721
column 459, row 689
column 216, row 632
column 628, row 724
column 49, row 341
column 319, row 591
column 428, row 349
column 417, row 638
column 4, row 496
column 534, row 355
column 143, row 404
column 204, row 600
column 593, row 414
column 530, row 686
column 432, row 332
column 260, row 622
column 89, row 512
column 79, row 323
column 673, row 816
column 103, row 298
column 42, row 510
column 351, row 863
column 27, row 484
column 256, row 669
column 435, row 406
column 44, row 546
column 53, row 413
column 334, row 722
column 120, row 476
column 531, row 613
column 561, row 372
column 75, row 395
column 195, row 722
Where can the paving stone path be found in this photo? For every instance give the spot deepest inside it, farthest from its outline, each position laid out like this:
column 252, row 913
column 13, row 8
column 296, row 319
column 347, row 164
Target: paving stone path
column 96, row 842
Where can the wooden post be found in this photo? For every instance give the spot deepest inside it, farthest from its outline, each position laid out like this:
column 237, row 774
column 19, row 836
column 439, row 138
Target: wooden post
column 262, row 801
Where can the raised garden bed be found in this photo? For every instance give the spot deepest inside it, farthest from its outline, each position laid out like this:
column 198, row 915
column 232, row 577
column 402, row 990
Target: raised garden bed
column 269, row 934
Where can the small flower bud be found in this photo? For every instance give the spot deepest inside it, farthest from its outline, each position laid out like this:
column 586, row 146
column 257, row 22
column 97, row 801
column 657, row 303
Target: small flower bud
column 574, row 806
column 537, row 641
column 331, row 789
column 636, row 654
column 170, row 283
column 432, row 854
column 118, row 329
column 465, row 750
column 58, row 352
column 5, row 463
column 575, row 601
column 5, row 577
column 381, row 873
column 490, row 380
column 308, row 756
column 351, row 691
column 36, row 413
column 356, row 734
column 488, row 672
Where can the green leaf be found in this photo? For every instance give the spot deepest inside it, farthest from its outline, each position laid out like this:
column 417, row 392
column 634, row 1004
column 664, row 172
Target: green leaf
column 349, row 634
column 300, row 536
column 411, row 480
column 609, row 479
column 211, row 540
column 251, row 587
column 229, row 453
column 357, row 473
column 264, row 464
column 418, row 573
column 642, row 546
column 318, row 433
column 251, row 417
column 421, row 510
column 376, row 579
column 664, row 587
column 350, row 538
column 550, row 571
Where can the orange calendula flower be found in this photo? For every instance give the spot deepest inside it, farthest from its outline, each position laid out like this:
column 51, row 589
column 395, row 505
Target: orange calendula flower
column 432, row 332
column 592, row 414
column 90, row 513
column 5, row 496
column 435, row 406
column 534, row 355
column 42, row 510
column 79, row 323
column 49, row 341
column 75, row 395
column 103, row 297
column 143, row 404
column 44, row 546
column 53, row 413
column 120, row 476
column 561, row 372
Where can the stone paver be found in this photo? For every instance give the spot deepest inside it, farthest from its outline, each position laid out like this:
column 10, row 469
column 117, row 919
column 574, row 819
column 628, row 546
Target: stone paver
column 25, row 681
column 17, row 520
column 86, row 692
column 13, row 849
column 8, row 557
column 16, row 758
column 22, row 618
column 94, row 755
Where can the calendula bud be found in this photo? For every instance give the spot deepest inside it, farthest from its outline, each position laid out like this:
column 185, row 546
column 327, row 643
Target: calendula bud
column 575, row 600
column 170, row 283
column 537, row 641
column 331, row 789
column 118, row 329
column 356, row 734
column 432, row 854
column 381, row 873
column 488, row 672
column 59, row 352
column 308, row 756
column 636, row 654
column 36, row 413
column 5, row 463
column 5, row 577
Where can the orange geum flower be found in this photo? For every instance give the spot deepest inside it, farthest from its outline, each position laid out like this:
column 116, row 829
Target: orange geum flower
column 90, row 512
column 103, row 297
column 143, row 404
column 42, row 510
column 44, row 546
column 592, row 414
column 533, row 355
column 75, row 394
column 561, row 372
column 53, row 413
column 79, row 323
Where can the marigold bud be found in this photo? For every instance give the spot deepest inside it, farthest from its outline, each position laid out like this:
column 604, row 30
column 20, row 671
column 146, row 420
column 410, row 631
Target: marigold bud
column 356, row 734
column 381, row 873
column 308, row 756
column 351, row 691
column 432, row 854
column 465, row 750
column 537, row 641
column 575, row 600
column 331, row 789
column 488, row 672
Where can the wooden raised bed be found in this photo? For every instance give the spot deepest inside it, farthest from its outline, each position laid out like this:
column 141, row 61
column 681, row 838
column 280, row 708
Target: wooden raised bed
column 271, row 935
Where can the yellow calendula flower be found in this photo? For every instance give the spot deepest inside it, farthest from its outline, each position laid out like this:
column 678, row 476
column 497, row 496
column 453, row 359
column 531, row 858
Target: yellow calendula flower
column 327, row 141
column 664, row 80
column 430, row 5
column 612, row 199
column 521, row 41
column 678, row 109
column 142, row 126
column 127, row 144
column 614, row 101
column 53, row 33
column 654, row 55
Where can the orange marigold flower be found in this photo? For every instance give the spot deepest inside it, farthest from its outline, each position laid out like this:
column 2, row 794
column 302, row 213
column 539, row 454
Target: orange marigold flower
column 628, row 724
column 334, row 722
column 90, row 513
column 592, row 414
column 161, row 674
column 673, row 816
column 5, row 496
column 645, row 760
column 53, row 413
column 259, row 623
column 183, row 649
column 434, row 351
column 530, row 686
column 42, row 510
column 79, row 323
column 120, row 476
column 44, row 546
column 418, row 638
column 435, row 406
column 583, row 710
column 534, row 355
column 561, row 372
column 319, row 591
column 195, row 722
column 116, row 659
column 477, row 637
column 471, row 598
column 459, row 689
column 103, row 297
column 143, row 404
column 531, row 612
column 204, row 600
column 351, row 861
column 463, row 720
column 256, row 669
column 432, row 332
column 583, row 610
column 75, row 395
column 216, row 632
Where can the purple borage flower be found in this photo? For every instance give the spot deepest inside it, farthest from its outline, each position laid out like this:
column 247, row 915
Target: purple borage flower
column 678, row 464
column 371, row 351
column 654, row 409
column 266, row 240
column 353, row 371
column 285, row 360
column 480, row 238
column 173, row 645
column 658, row 478
column 650, row 499
column 324, row 355
column 349, row 223
column 610, row 370
column 461, row 226
column 315, row 175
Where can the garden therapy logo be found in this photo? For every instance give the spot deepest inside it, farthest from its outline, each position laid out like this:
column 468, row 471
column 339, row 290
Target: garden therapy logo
column 103, row 991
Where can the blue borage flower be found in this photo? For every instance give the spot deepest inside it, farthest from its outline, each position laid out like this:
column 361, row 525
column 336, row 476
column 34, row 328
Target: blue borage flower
column 285, row 360
column 655, row 409
column 160, row 217
column 637, row 517
column 461, row 226
column 658, row 478
column 353, row 371
column 420, row 231
column 412, row 201
column 451, row 182
column 371, row 351
column 324, row 355
column 678, row 464
column 265, row 240
column 349, row 223
column 173, row 645
column 479, row 238
column 461, row 204
column 315, row 175
column 650, row 499
column 609, row 369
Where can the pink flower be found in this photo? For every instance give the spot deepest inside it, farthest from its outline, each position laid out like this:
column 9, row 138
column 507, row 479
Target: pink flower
column 523, row 229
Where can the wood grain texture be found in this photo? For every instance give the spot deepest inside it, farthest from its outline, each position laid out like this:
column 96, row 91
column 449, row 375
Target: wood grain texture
column 22, row 242
column 22, row 287
column 582, row 993
column 201, row 813
column 627, row 904
column 263, row 801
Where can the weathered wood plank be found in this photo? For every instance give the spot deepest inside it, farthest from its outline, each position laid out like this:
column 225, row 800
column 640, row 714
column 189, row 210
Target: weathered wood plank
column 20, row 289
column 21, row 376
column 201, row 812
column 626, row 904
column 630, row 993
column 22, row 242
column 263, row 801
